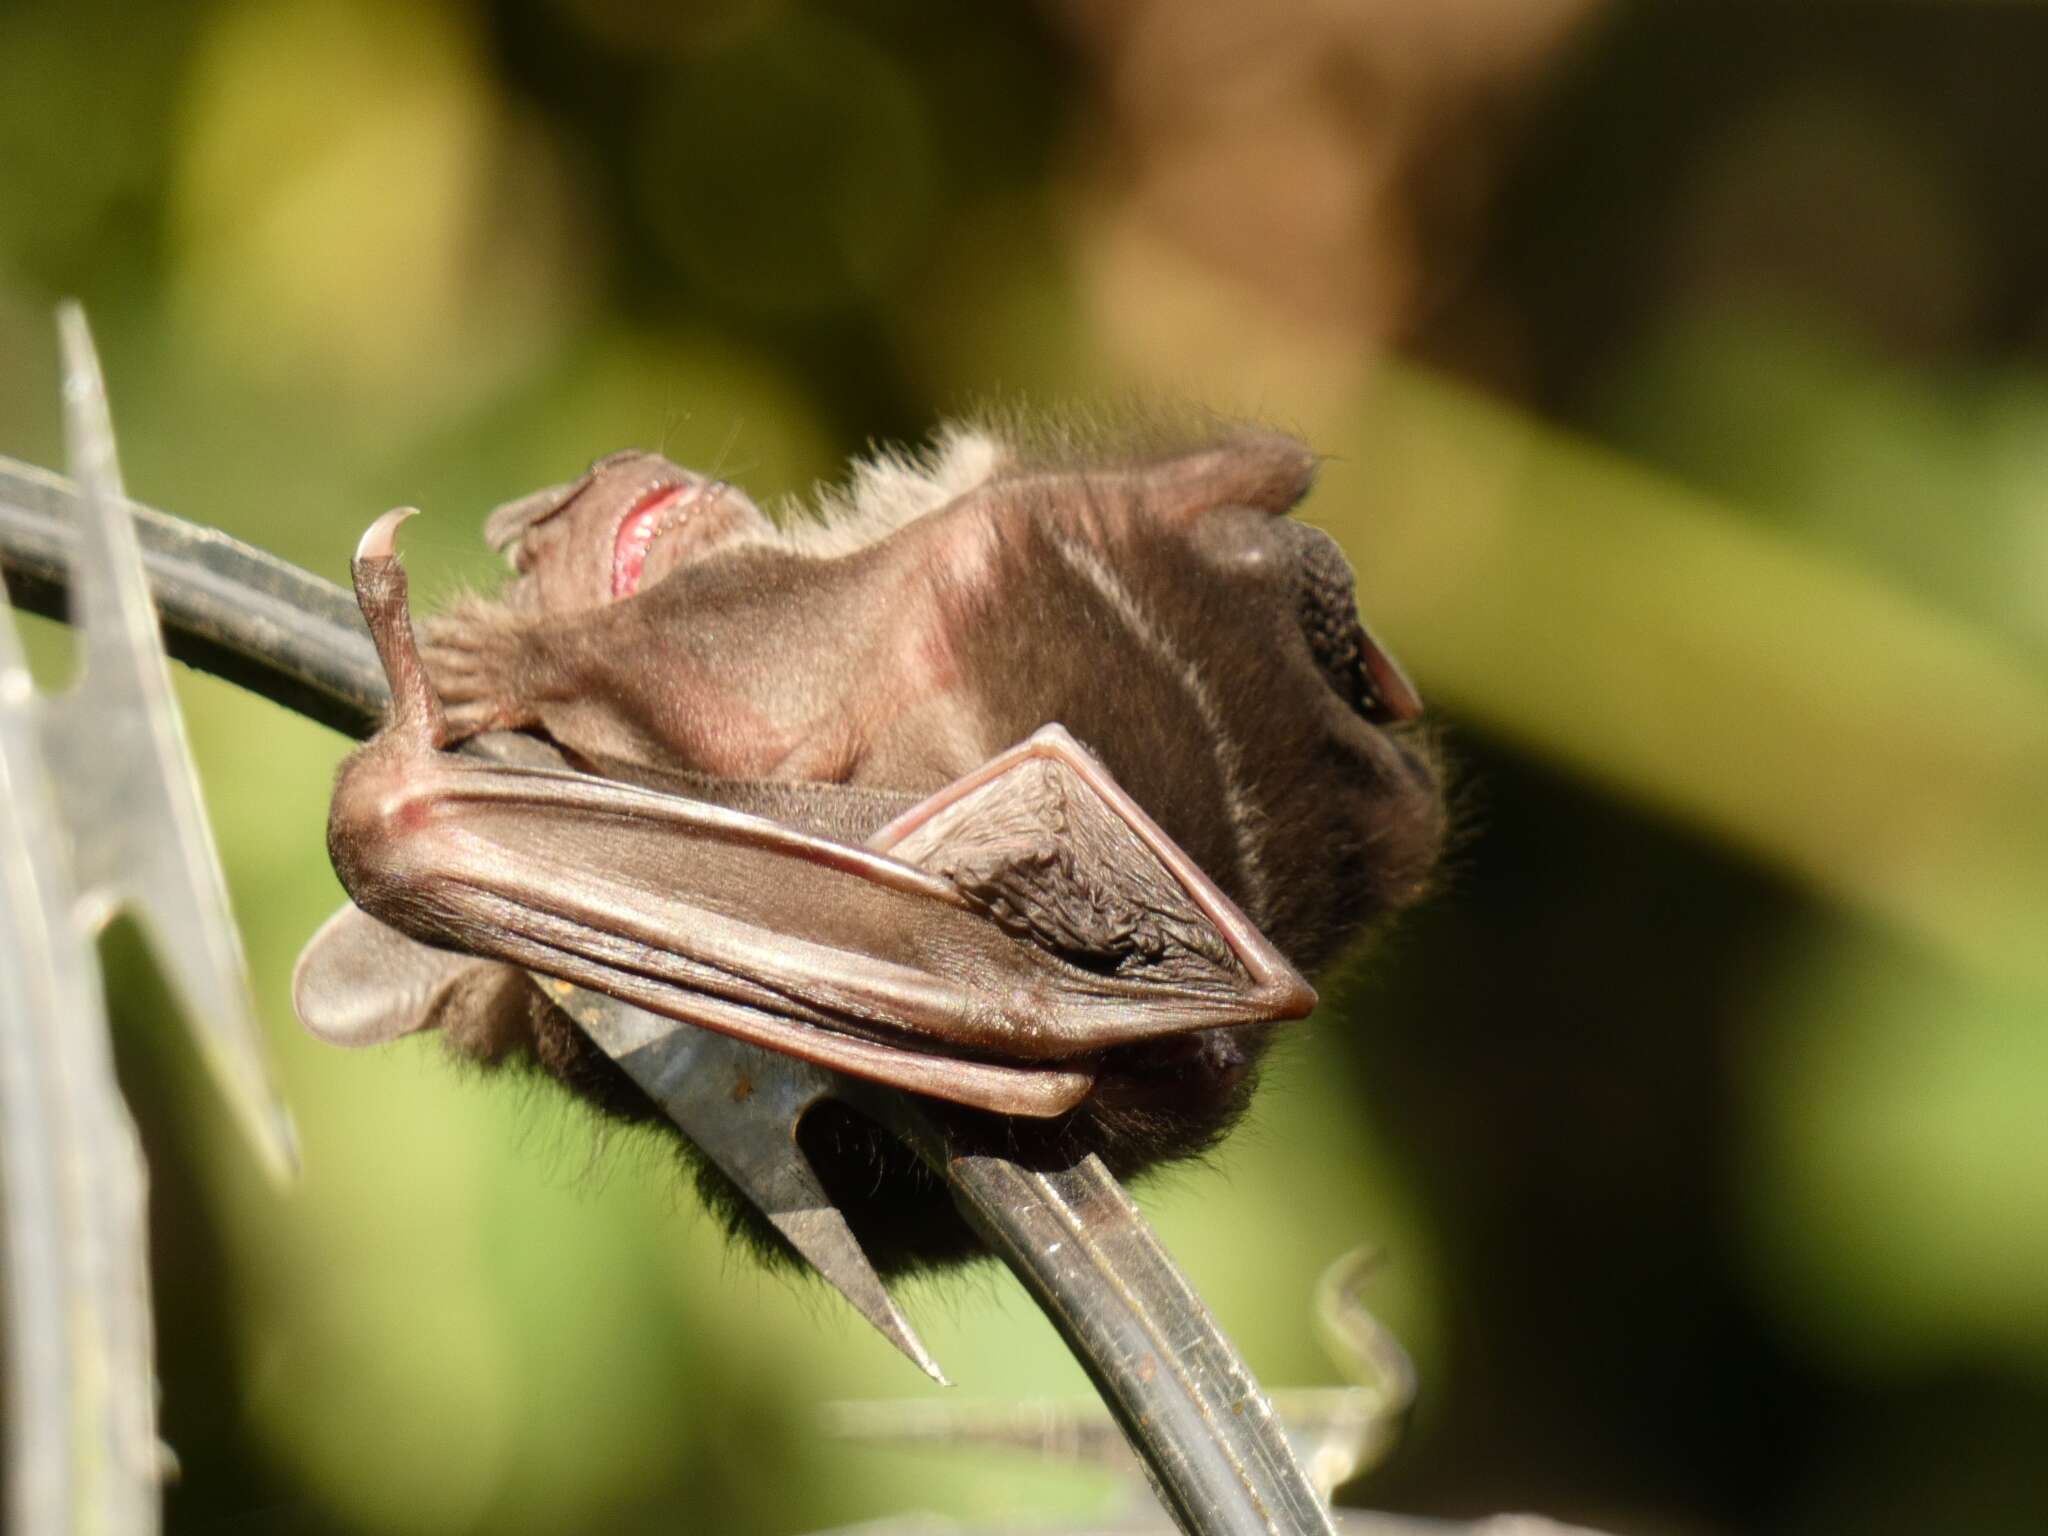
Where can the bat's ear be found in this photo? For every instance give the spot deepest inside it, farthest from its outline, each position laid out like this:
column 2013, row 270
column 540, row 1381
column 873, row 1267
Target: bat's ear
column 360, row 983
column 1268, row 472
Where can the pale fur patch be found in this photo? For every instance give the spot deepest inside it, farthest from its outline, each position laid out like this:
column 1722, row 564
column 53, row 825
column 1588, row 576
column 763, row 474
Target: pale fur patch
column 892, row 489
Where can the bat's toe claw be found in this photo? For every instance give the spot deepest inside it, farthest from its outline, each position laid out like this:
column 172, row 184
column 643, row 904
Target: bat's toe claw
column 380, row 539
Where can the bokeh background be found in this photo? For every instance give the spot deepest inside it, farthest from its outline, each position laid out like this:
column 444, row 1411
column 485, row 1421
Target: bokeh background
column 1684, row 371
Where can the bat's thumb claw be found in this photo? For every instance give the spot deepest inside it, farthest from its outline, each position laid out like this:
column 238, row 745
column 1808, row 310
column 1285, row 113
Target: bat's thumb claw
column 380, row 539
column 381, row 594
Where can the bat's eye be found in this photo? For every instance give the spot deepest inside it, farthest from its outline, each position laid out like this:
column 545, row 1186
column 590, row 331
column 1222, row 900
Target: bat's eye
column 1357, row 666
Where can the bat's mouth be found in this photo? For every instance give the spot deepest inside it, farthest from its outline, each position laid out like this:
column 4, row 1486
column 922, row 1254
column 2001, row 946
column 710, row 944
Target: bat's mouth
column 1361, row 670
column 655, row 513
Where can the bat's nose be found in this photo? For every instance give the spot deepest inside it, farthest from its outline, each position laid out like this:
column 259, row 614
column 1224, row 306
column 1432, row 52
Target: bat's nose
column 1361, row 670
column 1395, row 694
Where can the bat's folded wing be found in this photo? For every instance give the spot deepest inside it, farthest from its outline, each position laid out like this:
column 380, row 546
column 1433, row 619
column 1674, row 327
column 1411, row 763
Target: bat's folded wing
column 1053, row 850
column 993, row 940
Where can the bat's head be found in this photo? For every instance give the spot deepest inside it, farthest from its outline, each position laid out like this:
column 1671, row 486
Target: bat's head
column 627, row 523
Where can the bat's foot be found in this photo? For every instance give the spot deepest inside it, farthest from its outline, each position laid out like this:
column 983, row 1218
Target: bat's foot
column 465, row 654
column 381, row 592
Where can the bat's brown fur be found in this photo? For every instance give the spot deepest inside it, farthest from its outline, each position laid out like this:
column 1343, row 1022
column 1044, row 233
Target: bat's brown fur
column 1155, row 600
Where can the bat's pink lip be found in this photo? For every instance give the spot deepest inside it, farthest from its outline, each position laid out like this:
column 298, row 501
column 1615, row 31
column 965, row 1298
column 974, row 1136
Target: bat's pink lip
column 647, row 519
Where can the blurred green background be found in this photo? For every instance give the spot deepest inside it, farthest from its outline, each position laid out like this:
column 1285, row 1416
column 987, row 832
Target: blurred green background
column 1685, row 373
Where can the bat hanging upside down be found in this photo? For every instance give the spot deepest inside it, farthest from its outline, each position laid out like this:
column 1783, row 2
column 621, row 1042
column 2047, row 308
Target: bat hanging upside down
column 1028, row 776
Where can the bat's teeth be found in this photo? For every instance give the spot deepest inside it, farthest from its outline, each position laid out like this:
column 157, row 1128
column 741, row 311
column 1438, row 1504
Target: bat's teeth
column 649, row 518
column 380, row 539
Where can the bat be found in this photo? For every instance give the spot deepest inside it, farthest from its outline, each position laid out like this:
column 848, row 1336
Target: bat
column 1029, row 774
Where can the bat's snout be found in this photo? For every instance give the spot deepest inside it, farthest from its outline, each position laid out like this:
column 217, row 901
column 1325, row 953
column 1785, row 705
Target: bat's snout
column 633, row 519
column 1358, row 668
